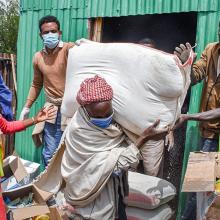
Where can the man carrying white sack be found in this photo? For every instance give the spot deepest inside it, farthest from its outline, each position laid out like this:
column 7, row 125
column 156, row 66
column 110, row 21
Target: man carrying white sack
column 152, row 86
column 97, row 156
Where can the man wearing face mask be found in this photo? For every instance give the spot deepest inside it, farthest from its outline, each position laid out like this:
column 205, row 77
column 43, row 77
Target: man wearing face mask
column 49, row 72
column 98, row 155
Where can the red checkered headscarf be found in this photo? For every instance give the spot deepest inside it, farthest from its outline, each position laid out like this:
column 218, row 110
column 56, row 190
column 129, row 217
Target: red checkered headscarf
column 94, row 89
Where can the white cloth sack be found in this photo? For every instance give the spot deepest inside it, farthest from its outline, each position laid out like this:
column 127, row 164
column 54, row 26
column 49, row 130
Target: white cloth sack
column 164, row 212
column 148, row 84
column 148, row 192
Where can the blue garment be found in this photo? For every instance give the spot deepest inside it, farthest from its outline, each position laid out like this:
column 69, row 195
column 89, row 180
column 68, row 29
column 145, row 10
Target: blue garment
column 207, row 145
column 51, row 138
column 190, row 209
column 5, row 100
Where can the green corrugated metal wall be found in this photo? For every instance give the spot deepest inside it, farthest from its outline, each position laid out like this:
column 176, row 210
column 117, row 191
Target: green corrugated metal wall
column 73, row 15
column 112, row 8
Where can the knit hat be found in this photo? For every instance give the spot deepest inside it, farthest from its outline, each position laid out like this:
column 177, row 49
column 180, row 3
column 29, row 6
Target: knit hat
column 94, row 89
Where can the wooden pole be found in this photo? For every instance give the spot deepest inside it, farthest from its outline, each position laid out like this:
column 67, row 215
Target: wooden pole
column 97, row 35
column 13, row 72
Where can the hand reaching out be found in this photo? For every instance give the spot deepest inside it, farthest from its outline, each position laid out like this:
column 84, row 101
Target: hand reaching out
column 169, row 140
column 180, row 121
column 47, row 113
column 150, row 133
column 183, row 52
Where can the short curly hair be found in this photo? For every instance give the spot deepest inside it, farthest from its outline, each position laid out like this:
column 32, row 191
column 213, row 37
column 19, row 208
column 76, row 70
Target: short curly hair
column 47, row 19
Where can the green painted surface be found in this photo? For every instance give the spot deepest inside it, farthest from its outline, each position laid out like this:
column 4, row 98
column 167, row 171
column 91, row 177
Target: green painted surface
column 112, row 8
column 73, row 15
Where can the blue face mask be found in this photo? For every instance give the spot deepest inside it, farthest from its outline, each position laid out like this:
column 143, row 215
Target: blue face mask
column 51, row 40
column 102, row 122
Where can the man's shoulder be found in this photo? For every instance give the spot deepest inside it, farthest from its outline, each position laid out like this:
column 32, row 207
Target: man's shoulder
column 213, row 45
column 68, row 45
column 37, row 55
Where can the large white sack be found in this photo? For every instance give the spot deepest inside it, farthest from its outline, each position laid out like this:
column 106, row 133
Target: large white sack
column 148, row 192
column 162, row 213
column 148, row 84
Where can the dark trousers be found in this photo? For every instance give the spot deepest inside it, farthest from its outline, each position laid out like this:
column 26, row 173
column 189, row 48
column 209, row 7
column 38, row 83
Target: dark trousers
column 121, row 207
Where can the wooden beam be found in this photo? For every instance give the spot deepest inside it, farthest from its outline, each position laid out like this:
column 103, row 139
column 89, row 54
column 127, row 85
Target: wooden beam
column 14, row 72
column 97, row 30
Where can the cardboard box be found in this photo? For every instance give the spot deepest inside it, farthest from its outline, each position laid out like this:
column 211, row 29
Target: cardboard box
column 14, row 172
column 12, row 166
column 56, row 214
column 202, row 170
column 38, row 208
column 9, row 183
column 32, row 168
column 18, row 175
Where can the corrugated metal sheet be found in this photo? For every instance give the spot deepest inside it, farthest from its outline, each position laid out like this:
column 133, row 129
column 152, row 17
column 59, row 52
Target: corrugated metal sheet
column 114, row 8
column 31, row 5
column 207, row 31
column 28, row 43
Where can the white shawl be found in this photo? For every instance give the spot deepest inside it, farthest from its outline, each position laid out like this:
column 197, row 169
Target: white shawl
column 89, row 159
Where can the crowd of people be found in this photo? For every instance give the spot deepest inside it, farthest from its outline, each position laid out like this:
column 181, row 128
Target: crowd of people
column 91, row 189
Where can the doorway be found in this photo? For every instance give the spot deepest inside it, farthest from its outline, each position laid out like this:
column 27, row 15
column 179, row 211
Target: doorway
column 167, row 30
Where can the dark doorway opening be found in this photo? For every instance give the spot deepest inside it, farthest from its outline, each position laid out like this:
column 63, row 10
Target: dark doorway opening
column 167, row 30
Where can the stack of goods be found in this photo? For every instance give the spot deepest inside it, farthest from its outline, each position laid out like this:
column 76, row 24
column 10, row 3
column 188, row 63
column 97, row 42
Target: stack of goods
column 20, row 202
column 18, row 172
column 27, row 202
column 148, row 197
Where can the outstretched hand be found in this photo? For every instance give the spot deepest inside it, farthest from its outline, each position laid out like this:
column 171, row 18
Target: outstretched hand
column 47, row 113
column 150, row 133
column 180, row 121
column 169, row 140
column 183, row 52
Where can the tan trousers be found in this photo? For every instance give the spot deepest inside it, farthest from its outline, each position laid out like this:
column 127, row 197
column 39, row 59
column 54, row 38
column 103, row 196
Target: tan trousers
column 153, row 155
